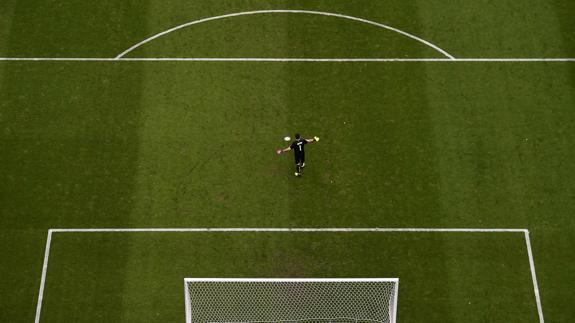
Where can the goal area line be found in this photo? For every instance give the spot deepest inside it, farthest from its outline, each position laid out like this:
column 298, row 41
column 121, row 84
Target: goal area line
column 286, row 230
column 525, row 232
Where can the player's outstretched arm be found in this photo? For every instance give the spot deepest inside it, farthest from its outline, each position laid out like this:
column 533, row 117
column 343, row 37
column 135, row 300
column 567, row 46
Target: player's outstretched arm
column 314, row 139
column 281, row 151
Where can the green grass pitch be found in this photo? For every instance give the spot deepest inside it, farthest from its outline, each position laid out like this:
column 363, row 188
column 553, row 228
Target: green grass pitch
column 191, row 144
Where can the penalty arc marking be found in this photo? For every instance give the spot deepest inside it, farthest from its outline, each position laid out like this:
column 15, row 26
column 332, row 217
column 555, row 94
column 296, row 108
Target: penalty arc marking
column 321, row 13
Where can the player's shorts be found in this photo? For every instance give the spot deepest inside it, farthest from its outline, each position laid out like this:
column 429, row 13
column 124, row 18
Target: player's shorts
column 299, row 159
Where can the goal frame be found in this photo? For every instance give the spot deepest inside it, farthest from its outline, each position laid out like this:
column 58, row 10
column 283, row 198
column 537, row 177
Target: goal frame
column 381, row 280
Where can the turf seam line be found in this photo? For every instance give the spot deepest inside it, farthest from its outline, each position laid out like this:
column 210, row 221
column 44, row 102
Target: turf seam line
column 534, row 278
column 322, row 13
column 272, row 59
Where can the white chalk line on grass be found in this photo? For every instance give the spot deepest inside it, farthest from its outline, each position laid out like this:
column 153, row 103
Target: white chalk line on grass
column 43, row 279
column 330, row 14
column 286, row 230
column 301, row 230
column 534, row 278
column 263, row 59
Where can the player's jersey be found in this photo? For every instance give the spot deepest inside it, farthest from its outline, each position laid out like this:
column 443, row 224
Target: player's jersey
column 298, row 146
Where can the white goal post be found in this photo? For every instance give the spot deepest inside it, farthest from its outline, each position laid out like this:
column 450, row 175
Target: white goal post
column 327, row 300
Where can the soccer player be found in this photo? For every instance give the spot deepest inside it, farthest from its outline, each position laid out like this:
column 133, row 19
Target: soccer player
column 298, row 146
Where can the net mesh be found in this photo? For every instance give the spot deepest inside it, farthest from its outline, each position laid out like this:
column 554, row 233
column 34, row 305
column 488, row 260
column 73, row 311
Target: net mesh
column 324, row 301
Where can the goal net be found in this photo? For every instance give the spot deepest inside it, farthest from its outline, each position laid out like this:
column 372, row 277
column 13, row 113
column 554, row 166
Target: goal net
column 219, row 300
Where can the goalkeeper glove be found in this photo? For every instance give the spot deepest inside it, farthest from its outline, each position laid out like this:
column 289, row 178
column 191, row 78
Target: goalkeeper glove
column 316, row 138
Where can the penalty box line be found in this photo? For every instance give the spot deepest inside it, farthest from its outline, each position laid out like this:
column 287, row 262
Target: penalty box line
column 279, row 59
column 301, row 230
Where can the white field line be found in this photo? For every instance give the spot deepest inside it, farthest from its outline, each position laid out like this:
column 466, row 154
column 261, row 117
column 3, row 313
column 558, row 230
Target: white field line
column 288, row 230
column 534, row 278
column 195, row 22
column 271, row 59
column 342, row 230
column 43, row 280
